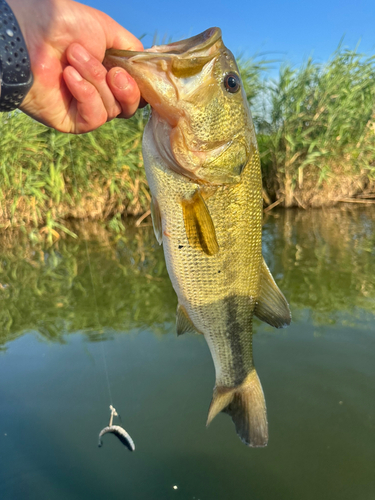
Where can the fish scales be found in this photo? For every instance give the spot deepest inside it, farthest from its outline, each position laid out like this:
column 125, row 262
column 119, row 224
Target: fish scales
column 218, row 292
column 203, row 168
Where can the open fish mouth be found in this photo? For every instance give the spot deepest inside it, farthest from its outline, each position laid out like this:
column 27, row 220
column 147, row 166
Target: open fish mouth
column 192, row 45
column 181, row 59
column 193, row 48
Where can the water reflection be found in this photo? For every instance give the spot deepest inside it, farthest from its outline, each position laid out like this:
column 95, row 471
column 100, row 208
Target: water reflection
column 322, row 260
column 54, row 398
column 90, row 286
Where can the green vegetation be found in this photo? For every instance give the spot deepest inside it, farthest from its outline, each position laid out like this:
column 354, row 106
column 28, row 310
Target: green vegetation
column 48, row 177
column 321, row 128
column 316, row 133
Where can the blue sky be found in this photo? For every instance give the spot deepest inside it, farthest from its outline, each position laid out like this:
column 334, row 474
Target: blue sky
column 289, row 30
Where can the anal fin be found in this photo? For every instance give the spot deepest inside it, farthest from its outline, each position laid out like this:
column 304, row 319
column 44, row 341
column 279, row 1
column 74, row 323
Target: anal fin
column 200, row 230
column 183, row 322
column 272, row 306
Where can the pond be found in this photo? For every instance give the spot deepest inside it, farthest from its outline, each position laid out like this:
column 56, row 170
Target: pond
column 91, row 322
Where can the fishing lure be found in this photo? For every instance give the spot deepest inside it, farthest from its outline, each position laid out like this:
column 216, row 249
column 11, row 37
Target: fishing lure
column 118, row 431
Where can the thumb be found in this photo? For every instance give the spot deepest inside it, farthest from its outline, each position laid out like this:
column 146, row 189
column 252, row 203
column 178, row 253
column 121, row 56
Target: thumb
column 118, row 37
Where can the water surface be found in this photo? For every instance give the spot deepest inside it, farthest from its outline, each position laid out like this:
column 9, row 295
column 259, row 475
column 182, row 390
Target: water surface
column 90, row 323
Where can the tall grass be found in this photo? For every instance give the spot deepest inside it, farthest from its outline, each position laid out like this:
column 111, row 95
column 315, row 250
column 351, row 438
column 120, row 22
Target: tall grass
column 321, row 121
column 315, row 123
column 47, row 176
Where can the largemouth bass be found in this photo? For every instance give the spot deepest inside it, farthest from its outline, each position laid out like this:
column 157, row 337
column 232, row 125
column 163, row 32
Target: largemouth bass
column 202, row 165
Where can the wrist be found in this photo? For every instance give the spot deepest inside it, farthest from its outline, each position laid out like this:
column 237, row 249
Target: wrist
column 15, row 71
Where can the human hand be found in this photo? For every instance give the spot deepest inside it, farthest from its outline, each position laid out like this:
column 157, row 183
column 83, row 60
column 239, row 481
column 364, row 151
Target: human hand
column 72, row 91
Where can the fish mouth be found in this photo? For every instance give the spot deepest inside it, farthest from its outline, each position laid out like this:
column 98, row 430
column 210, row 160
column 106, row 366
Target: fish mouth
column 161, row 71
column 168, row 77
column 191, row 46
column 181, row 59
column 195, row 47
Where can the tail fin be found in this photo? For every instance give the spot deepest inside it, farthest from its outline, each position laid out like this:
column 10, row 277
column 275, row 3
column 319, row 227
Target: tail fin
column 247, row 407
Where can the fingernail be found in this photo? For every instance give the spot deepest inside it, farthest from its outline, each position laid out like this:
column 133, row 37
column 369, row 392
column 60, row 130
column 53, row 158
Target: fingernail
column 74, row 73
column 80, row 54
column 121, row 80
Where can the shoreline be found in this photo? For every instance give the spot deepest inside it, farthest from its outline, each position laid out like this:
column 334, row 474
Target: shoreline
column 51, row 231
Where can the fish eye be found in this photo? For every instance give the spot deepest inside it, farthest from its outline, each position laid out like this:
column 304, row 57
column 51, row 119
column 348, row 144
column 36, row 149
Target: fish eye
column 232, row 83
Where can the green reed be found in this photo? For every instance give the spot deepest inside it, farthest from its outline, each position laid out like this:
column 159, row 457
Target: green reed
column 315, row 123
column 47, row 176
column 321, row 122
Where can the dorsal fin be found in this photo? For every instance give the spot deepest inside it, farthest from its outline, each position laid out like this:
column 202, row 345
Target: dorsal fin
column 272, row 306
column 200, row 230
column 156, row 220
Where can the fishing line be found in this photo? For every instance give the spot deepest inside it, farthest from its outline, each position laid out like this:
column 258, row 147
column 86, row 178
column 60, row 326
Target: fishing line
column 93, row 289
column 117, row 430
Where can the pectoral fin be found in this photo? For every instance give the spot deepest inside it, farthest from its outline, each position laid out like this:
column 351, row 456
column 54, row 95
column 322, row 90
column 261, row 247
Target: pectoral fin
column 199, row 227
column 272, row 306
column 156, row 220
column 183, row 322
